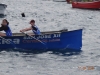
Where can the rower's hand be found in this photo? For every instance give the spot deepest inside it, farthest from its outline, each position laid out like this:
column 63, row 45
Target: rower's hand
column 21, row 31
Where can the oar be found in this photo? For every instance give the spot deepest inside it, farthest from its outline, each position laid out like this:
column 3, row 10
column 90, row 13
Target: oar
column 34, row 38
column 9, row 41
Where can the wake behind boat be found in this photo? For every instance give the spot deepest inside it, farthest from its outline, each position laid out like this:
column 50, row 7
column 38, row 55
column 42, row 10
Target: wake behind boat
column 54, row 40
column 2, row 9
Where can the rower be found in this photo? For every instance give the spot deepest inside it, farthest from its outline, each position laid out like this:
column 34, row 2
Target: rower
column 6, row 28
column 33, row 27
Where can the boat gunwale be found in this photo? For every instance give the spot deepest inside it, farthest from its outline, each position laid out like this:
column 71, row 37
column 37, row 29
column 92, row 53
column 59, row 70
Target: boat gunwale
column 42, row 33
column 45, row 33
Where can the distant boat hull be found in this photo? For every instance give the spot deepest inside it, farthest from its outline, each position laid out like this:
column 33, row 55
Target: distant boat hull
column 2, row 9
column 86, row 5
column 52, row 41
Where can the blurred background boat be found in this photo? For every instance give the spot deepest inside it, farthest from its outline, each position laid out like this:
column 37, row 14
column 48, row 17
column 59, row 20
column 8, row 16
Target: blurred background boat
column 2, row 8
column 86, row 5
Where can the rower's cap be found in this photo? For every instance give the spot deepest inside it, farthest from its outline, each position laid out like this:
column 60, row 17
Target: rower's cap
column 32, row 21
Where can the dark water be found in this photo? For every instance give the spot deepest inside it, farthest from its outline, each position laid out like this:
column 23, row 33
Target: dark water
column 50, row 16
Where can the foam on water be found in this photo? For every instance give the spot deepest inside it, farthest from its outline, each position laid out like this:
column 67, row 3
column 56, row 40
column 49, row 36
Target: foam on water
column 49, row 16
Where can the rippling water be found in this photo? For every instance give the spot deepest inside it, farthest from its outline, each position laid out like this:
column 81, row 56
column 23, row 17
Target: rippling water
column 50, row 16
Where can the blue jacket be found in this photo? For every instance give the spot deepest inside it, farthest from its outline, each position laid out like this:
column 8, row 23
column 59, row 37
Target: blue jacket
column 36, row 30
column 6, row 29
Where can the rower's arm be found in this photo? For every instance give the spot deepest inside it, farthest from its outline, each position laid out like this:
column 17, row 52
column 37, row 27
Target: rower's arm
column 26, row 29
column 3, row 28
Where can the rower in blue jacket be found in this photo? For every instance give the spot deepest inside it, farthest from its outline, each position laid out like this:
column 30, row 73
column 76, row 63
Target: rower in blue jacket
column 33, row 27
column 5, row 27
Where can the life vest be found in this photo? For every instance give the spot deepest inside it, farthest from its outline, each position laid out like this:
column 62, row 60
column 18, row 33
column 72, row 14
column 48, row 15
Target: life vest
column 8, row 31
column 36, row 30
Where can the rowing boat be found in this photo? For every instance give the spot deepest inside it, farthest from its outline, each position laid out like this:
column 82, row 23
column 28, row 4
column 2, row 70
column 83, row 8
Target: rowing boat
column 53, row 40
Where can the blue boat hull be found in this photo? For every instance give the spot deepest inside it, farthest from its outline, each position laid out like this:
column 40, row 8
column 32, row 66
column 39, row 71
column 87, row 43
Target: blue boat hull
column 54, row 41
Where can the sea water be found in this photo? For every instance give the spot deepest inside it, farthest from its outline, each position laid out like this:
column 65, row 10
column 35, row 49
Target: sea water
column 52, row 16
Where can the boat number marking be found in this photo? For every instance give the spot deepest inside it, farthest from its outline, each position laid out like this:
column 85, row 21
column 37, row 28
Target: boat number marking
column 44, row 36
column 9, row 41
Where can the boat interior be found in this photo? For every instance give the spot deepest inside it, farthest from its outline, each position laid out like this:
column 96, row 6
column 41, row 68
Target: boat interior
column 42, row 33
